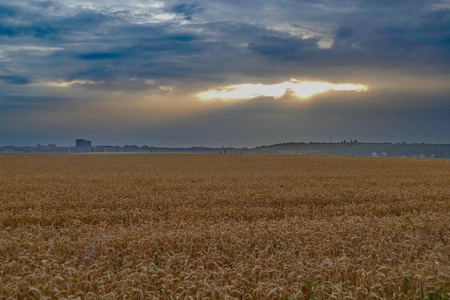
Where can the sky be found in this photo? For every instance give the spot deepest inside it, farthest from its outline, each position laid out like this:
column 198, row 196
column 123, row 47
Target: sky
column 224, row 73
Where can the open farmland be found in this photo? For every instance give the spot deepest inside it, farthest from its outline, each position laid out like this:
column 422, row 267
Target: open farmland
column 223, row 226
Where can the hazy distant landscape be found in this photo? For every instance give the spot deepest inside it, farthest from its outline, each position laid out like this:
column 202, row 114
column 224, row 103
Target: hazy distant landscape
column 171, row 226
column 416, row 150
column 353, row 148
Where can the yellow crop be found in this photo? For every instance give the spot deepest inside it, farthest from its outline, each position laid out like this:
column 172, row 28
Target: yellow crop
column 147, row 226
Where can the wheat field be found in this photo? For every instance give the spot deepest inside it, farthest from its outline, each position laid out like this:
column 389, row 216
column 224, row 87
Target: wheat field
column 150, row 226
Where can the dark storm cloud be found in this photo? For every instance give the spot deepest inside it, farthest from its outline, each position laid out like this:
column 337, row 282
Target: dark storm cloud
column 397, row 32
column 100, row 55
column 16, row 80
column 19, row 103
column 424, row 41
column 194, row 46
column 6, row 12
column 364, row 32
column 7, row 31
column 284, row 48
column 187, row 9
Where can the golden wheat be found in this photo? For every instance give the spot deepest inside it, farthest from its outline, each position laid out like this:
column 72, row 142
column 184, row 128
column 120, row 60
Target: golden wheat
column 223, row 226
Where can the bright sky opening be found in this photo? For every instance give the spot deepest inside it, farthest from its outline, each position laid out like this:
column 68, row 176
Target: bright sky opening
column 303, row 89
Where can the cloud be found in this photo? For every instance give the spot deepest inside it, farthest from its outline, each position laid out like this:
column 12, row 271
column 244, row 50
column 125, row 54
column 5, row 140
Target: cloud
column 100, row 55
column 166, row 88
column 441, row 5
column 284, row 48
column 15, row 80
column 32, row 48
column 6, row 11
column 187, row 9
column 7, row 31
column 64, row 84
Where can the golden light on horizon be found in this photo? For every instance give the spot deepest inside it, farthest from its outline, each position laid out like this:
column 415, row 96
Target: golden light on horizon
column 245, row 91
column 307, row 89
column 300, row 89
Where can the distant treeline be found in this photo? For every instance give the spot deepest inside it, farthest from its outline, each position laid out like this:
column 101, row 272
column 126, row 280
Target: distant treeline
column 352, row 148
column 359, row 149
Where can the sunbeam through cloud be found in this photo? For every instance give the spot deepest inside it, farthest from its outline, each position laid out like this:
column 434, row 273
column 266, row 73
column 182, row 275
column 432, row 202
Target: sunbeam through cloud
column 300, row 89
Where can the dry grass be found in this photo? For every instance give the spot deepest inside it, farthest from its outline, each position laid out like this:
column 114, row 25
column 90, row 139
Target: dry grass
column 223, row 226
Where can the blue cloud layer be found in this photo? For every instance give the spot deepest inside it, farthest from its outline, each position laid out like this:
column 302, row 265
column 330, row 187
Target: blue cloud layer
column 142, row 45
column 187, row 35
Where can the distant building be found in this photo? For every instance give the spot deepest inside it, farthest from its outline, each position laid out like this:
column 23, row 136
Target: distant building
column 83, row 145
